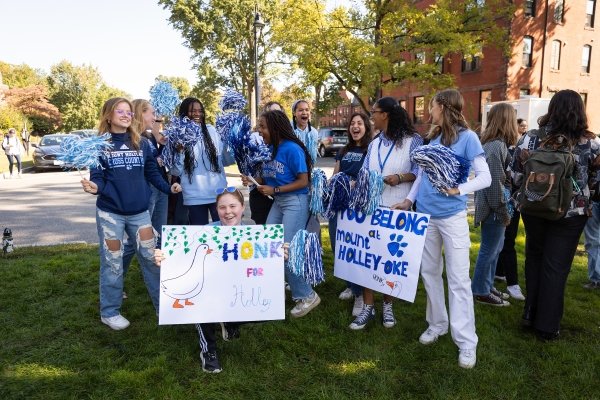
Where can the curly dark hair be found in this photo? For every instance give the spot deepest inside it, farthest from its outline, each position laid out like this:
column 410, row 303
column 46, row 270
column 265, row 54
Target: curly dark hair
column 189, row 161
column 566, row 115
column 399, row 124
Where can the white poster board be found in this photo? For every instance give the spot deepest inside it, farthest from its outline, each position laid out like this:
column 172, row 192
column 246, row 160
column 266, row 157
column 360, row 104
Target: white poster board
column 221, row 274
column 381, row 251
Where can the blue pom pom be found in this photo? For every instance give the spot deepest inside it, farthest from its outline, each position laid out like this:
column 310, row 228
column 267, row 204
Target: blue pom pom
column 164, row 98
column 232, row 101
column 443, row 167
column 296, row 253
column 366, row 194
column 311, row 142
column 180, row 133
column 318, row 191
column 306, row 257
column 338, row 191
column 84, row 152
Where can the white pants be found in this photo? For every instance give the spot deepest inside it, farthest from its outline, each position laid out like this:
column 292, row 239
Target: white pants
column 453, row 234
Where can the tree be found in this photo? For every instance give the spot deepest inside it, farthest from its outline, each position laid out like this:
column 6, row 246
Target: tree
column 387, row 42
column 32, row 102
column 181, row 84
column 10, row 117
column 220, row 33
column 20, row 76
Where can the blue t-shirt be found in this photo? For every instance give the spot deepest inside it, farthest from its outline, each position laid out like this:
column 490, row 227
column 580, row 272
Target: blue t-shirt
column 437, row 204
column 288, row 163
column 352, row 161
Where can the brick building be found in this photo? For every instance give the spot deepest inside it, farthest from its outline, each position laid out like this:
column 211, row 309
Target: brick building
column 552, row 49
column 553, row 43
column 340, row 116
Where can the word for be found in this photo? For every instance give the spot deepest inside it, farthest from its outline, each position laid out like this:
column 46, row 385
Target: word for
column 248, row 250
column 254, row 272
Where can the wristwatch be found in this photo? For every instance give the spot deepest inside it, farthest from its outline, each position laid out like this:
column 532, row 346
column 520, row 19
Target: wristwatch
column 276, row 190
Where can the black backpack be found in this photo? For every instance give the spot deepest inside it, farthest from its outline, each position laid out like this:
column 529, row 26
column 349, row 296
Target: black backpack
column 547, row 187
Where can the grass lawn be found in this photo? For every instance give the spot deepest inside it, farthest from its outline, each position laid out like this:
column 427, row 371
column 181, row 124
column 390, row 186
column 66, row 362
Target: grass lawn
column 53, row 345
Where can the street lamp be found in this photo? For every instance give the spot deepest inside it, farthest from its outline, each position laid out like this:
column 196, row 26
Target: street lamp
column 258, row 25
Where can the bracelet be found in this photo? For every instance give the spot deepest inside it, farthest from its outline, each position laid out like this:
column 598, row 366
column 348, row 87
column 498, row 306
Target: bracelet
column 399, row 178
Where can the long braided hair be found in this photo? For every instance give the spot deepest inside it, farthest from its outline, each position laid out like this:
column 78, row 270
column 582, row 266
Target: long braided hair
column 399, row 124
column 294, row 107
column 189, row 161
column 280, row 129
column 452, row 102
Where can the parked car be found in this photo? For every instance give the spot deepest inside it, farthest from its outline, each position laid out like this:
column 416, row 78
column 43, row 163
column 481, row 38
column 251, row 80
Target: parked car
column 85, row 133
column 44, row 155
column 331, row 140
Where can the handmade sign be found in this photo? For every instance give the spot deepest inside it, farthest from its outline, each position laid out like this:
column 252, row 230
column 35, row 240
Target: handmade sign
column 381, row 251
column 221, row 274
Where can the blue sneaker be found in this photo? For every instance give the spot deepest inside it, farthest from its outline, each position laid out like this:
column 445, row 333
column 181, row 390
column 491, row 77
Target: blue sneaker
column 367, row 314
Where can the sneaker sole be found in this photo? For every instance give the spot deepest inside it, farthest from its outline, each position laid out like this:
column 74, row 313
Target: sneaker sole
column 307, row 310
column 389, row 324
column 493, row 304
column 114, row 327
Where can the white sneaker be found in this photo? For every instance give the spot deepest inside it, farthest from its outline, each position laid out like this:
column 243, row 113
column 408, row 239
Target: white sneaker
column 430, row 337
column 467, row 358
column 346, row 294
column 359, row 303
column 305, row 306
column 117, row 323
column 515, row 292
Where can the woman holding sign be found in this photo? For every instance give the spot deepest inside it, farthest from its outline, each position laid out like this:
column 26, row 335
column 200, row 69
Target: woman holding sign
column 286, row 178
column 389, row 155
column 448, row 229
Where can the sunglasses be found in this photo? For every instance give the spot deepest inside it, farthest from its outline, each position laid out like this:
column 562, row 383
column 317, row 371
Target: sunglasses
column 229, row 189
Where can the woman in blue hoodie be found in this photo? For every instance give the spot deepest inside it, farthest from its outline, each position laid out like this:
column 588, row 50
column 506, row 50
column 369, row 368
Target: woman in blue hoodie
column 121, row 184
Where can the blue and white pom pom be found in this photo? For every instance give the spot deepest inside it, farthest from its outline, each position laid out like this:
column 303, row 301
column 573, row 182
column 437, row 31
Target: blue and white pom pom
column 84, row 152
column 306, row 257
column 180, row 133
column 338, row 194
column 366, row 194
column 164, row 98
column 232, row 101
column 444, row 168
column 318, row 191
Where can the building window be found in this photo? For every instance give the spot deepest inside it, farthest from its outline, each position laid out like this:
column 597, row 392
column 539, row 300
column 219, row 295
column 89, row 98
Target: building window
column 485, row 97
column 586, row 56
column 524, row 92
column 420, row 57
column 472, row 64
column 584, row 98
column 527, row 51
column 590, row 10
column 559, row 10
column 529, row 8
column 555, row 56
column 438, row 60
column 419, row 107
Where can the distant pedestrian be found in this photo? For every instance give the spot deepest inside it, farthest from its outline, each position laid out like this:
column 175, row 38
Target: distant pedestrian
column 12, row 148
column 25, row 137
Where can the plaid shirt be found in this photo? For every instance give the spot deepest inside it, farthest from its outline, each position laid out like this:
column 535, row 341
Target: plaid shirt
column 491, row 199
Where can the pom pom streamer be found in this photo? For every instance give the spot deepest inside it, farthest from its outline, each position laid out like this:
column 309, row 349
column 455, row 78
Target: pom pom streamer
column 306, row 257
column 444, row 168
column 366, row 194
column 164, row 98
column 338, row 194
column 311, row 142
column 83, row 152
column 180, row 132
column 232, row 101
column 318, row 192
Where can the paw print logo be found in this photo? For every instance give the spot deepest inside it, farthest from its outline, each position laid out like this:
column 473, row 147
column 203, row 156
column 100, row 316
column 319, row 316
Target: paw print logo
column 396, row 245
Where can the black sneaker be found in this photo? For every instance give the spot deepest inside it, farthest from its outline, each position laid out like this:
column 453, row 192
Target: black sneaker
column 367, row 314
column 230, row 331
column 497, row 293
column 210, row 363
column 492, row 300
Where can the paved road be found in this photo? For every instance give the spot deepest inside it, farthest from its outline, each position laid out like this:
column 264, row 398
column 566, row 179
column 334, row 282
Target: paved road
column 50, row 207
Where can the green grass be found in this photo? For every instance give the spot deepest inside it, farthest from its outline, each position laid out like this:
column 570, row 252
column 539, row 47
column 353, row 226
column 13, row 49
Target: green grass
column 53, row 345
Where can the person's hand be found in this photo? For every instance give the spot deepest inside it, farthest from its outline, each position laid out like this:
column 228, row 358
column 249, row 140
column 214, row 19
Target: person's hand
column 405, row 205
column 245, row 180
column 392, row 180
column 89, row 186
column 286, row 251
column 158, row 257
column 160, row 162
column 452, row 192
column 266, row 190
column 176, row 188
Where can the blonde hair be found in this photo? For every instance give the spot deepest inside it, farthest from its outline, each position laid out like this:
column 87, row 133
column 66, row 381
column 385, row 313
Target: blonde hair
column 501, row 124
column 105, row 115
column 140, row 106
column 452, row 104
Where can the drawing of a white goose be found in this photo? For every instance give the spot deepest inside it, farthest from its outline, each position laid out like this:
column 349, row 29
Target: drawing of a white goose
column 190, row 283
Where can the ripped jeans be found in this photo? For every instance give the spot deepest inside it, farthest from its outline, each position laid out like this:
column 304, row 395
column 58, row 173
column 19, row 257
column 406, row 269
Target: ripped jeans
column 112, row 227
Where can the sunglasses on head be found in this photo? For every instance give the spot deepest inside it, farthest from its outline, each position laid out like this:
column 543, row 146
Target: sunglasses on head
column 229, row 189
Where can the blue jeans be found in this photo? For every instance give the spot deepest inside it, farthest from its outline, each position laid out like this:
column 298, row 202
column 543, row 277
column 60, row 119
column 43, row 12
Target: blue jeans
column 357, row 290
column 592, row 243
column 492, row 241
column 113, row 226
column 199, row 213
column 157, row 208
column 16, row 157
column 291, row 210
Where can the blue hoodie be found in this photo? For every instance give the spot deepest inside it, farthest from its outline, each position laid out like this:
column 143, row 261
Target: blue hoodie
column 123, row 178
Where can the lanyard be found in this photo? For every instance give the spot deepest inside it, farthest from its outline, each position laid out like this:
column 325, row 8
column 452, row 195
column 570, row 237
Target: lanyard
column 381, row 165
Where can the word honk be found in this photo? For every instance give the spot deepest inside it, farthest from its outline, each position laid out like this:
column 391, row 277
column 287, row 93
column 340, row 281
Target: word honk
column 248, row 250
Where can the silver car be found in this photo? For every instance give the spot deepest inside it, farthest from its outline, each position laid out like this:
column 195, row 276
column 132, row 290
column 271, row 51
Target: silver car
column 44, row 155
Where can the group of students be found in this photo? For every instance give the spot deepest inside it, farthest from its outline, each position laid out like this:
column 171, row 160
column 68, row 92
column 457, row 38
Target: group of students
column 282, row 197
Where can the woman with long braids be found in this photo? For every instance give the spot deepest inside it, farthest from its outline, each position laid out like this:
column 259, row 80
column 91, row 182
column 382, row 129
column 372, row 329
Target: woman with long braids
column 448, row 228
column 303, row 129
column 286, row 178
column 389, row 154
column 201, row 167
